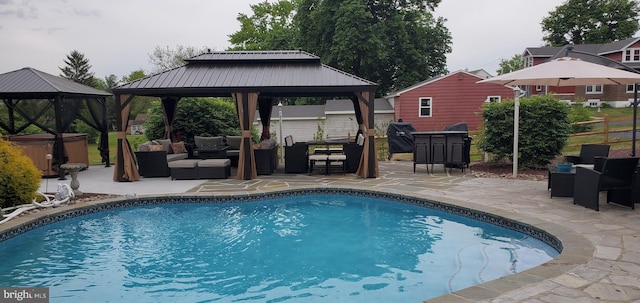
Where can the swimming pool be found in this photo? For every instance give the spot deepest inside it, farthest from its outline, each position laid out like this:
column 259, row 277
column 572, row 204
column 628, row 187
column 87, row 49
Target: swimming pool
column 360, row 247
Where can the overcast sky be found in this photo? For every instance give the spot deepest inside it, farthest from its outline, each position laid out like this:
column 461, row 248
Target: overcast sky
column 117, row 36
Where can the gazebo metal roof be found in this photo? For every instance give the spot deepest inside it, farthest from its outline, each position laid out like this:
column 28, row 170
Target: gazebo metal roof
column 272, row 73
column 18, row 88
column 31, row 83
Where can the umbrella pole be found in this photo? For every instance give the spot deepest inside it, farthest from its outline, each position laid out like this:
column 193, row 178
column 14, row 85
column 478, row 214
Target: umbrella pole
column 516, row 126
column 635, row 117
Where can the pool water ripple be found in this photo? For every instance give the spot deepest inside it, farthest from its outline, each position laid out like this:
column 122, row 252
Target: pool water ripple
column 298, row 249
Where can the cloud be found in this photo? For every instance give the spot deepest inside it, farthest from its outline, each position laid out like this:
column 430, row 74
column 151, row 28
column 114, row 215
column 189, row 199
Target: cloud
column 21, row 11
column 49, row 30
column 87, row 13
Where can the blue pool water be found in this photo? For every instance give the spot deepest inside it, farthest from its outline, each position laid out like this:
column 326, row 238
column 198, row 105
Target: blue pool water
column 313, row 248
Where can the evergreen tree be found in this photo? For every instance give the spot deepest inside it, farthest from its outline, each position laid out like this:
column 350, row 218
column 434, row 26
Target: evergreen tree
column 77, row 69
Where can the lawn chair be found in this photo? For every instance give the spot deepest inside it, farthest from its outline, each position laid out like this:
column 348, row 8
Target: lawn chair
column 616, row 176
column 588, row 152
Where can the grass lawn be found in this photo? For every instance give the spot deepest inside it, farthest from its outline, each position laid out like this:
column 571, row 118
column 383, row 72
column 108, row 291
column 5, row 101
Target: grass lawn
column 94, row 153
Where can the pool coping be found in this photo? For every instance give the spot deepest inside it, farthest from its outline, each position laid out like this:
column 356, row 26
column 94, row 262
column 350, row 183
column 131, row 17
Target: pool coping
column 576, row 250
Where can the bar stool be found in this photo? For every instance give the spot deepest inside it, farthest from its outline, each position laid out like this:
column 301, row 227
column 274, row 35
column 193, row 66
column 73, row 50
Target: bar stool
column 438, row 150
column 318, row 159
column 337, row 160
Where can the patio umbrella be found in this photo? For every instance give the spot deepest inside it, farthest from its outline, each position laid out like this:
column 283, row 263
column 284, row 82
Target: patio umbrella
column 566, row 71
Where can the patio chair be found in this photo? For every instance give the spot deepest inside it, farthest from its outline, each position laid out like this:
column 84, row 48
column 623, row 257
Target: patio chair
column 616, row 177
column 588, row 152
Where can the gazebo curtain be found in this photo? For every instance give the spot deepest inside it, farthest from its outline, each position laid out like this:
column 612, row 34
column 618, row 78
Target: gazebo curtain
column 265, row 106
column 98, row 120
column 368, row 162
column 359, row 119
column 65, row 110
column 246, row 104
column 169, row 107
column 129, row 169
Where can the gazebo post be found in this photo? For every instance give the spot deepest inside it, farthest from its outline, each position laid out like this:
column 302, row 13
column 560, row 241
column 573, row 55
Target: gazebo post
column 59, row 140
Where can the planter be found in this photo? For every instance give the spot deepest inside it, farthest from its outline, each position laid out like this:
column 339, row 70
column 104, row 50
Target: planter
column 564, row 167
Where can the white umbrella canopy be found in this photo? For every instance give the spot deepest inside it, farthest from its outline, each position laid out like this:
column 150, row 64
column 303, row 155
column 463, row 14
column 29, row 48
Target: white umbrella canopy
column 566, row 71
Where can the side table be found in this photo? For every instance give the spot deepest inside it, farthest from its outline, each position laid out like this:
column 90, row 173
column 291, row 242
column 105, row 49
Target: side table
column 561, row 183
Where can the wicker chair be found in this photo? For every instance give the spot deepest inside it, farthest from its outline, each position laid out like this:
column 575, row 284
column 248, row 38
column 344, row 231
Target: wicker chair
column 588, row 152
column 616, row 176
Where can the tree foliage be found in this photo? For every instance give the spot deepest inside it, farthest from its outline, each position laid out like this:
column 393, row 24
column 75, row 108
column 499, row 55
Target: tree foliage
column 168, row 58
column 543, row 130
column 591, row 21
column 195, row 116
column 515, row 63
column 392, row 43
column 269, row 28
column 77, row 69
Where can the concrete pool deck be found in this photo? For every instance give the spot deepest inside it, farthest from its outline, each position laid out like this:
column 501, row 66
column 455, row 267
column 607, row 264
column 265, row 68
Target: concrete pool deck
column 600, row 261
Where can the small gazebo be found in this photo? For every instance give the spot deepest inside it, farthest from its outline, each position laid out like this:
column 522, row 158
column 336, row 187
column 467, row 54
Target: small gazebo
column 34, row 95
column 253, row 79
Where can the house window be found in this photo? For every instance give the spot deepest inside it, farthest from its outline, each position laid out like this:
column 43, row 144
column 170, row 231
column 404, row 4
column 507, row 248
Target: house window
column 425, row 107
column 538, row 88
column 594, row 89
column 630, row 88
column 528, row 61
column 493, row 99
column 632, row 55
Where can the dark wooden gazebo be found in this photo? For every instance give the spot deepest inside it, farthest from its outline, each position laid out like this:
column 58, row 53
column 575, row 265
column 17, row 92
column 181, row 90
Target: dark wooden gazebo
column 35, row 96
column 253, row 79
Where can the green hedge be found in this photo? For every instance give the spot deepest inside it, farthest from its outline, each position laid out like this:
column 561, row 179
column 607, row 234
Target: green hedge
column 543, row 132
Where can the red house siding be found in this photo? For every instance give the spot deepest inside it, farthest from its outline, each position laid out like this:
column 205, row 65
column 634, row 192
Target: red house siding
column 454, row 98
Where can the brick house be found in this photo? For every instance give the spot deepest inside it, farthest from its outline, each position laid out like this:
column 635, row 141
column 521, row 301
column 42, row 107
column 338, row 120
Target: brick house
column 441, row 101
column 626, row 52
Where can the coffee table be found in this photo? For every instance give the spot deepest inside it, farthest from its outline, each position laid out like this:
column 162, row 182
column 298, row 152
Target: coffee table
column 561, row 183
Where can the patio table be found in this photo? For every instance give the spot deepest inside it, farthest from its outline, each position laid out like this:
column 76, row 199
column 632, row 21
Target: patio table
column 561, row 183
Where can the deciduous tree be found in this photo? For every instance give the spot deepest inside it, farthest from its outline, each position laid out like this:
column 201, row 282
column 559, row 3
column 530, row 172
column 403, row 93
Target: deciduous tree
column 591, row 21
column 515, row 63
column 394, row 44
column 168, row 58
column 270, row 27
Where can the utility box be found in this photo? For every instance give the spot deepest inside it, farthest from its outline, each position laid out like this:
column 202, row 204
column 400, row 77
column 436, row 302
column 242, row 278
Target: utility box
column 37, row 146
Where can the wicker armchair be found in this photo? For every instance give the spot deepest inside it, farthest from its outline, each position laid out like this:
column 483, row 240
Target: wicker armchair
column 616, row 176
column 588, row 152
column 266, row 157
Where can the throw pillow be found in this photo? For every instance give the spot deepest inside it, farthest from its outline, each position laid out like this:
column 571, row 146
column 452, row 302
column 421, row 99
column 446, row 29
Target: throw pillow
column 144, row 146
column 234, row 142
column 207, row 141
column 178, row 147
column 166, row 144
column 156, row 147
